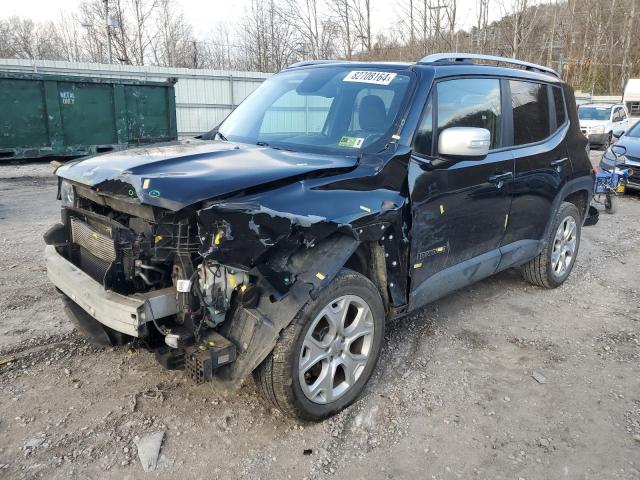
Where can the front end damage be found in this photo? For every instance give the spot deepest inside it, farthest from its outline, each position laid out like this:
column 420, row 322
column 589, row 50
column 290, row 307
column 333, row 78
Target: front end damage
column 209, row 288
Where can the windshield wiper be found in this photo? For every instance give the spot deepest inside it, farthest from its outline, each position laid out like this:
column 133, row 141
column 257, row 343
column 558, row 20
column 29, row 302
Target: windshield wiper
column 222, row 137
column 262, row 143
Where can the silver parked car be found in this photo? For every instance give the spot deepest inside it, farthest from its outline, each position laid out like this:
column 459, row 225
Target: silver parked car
column 599, row 121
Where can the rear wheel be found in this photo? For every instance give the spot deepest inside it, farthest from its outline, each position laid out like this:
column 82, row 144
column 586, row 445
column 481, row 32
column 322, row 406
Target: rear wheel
column 607, row 141
column 554, row 264
column 323, row 360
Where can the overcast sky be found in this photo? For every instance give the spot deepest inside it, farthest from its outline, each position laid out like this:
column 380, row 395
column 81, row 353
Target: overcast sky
column 202, row 14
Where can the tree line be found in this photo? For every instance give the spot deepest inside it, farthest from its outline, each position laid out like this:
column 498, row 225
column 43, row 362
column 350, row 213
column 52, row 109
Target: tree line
column 594, row 44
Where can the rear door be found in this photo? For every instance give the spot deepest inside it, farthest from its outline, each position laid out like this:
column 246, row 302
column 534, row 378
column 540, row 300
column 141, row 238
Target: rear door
column 459, row 206
column 540, row 126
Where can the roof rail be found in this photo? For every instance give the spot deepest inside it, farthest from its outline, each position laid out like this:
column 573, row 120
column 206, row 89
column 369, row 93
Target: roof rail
column 305, row 63
column 461, row 57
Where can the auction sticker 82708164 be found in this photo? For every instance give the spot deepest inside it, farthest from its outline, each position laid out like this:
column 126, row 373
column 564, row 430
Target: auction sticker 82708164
column 363, row 76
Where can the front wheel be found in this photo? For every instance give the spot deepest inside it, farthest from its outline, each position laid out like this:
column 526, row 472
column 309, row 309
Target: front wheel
column 554, row 264
column 609, row 204
column 323, row 360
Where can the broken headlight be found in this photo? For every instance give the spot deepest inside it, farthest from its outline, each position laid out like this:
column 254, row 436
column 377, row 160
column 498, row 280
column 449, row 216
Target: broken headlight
column 67, row 194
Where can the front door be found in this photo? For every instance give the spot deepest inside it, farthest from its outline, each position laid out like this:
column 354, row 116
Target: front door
column 459, row 207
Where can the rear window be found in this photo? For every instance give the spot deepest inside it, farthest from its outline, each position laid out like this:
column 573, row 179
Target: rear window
column 530, row 112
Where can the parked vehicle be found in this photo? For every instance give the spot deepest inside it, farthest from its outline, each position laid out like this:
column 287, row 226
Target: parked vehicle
column 630, row 157
column 598, row 122
column 631, row 98
column 337, row 196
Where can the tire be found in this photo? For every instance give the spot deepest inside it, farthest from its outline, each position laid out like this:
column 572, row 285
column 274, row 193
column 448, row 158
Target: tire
column 545, row 269
column 609, row 204
column 279, row 378
column 607, row 142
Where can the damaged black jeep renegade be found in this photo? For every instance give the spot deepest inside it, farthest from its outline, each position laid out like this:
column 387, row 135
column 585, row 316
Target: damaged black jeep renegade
column 337, row 196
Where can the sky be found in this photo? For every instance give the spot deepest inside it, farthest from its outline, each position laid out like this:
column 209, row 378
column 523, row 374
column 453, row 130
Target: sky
column 204, row 14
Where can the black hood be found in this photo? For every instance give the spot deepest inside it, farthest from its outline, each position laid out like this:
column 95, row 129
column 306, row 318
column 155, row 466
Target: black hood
column 175, row 175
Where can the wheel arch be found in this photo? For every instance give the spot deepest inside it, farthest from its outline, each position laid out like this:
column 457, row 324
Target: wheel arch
column 578, row 191
column 256, row 330
column 580, row 198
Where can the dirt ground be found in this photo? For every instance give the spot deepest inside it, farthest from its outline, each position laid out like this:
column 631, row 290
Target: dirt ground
column 453, row 395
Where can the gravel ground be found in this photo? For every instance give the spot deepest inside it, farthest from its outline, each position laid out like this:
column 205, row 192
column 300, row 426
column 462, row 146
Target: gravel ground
column 454, row 394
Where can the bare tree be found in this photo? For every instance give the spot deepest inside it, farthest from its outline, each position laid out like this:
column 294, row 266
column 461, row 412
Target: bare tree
column 342, row 10
column 143, row 36
column 268, row 37
column 594, row 43
column 362, row 13
column 173, row 37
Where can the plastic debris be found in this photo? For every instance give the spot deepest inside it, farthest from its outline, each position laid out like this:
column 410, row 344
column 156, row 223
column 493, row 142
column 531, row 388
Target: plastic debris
column 538, row 377
column 149, row 450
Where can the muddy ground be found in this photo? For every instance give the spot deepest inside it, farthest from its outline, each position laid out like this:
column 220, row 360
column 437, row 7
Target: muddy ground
column 453, row 395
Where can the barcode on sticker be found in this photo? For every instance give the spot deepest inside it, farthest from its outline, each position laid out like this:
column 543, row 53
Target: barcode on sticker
column 363, row 76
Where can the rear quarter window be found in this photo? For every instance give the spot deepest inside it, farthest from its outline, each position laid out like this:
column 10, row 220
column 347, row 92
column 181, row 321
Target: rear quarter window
column 558, row 101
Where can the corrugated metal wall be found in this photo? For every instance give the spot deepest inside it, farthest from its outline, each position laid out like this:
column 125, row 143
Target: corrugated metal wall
column 203, row 97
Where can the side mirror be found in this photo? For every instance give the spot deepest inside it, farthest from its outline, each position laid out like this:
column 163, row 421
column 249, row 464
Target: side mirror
column 464, row 142
column 618, row 133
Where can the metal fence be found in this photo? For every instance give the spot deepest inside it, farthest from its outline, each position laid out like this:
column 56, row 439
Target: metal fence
column 203, row 97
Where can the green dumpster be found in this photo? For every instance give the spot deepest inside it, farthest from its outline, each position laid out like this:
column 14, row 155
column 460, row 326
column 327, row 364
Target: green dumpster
column 67, row 116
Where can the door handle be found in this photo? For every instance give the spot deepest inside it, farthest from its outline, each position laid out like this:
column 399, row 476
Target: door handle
column 558, row 164
column 499, row 178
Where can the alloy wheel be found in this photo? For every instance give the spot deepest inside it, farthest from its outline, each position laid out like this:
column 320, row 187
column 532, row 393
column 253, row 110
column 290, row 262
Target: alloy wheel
column 564, row 246
column 335, row 350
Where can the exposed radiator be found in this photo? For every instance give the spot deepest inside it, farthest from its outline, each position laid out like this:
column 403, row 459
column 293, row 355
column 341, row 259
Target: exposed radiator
column 93, row 241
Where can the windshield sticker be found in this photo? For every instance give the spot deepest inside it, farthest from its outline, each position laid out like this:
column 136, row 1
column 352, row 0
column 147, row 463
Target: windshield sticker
column 351, row 142
column 377, row 78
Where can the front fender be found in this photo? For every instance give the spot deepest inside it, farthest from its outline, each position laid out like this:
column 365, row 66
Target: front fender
column 255, row 331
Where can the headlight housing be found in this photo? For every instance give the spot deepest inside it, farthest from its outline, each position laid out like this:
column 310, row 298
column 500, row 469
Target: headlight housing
column 67, row 194
column 598, row 129
column 611, row 157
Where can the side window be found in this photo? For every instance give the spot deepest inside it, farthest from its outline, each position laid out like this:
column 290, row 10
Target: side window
column 424, row 135
column 623, row 114
column 471, row 102
column 558, row 101
column 530, row 112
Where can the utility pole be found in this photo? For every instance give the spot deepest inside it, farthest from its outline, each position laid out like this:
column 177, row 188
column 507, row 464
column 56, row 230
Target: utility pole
column 195, row 54
column 107, row 25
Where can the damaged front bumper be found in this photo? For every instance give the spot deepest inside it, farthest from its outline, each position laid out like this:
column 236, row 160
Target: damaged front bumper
column 125, row 314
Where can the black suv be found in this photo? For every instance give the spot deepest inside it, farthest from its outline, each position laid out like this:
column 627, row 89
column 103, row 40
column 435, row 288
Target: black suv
column 337, row 196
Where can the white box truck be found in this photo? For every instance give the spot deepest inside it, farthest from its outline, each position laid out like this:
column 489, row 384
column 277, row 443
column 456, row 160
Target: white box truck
column 631, row 98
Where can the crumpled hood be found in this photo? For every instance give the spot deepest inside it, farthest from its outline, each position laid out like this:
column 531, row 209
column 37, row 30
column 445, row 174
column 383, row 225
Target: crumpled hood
column 177, row 174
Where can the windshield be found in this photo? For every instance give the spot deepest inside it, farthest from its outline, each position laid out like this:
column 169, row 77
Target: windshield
column 634, row 131
column 326, row 109
column 594, row 113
